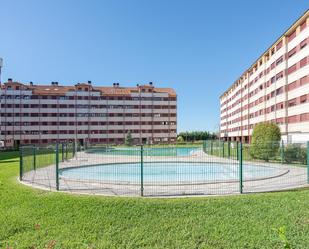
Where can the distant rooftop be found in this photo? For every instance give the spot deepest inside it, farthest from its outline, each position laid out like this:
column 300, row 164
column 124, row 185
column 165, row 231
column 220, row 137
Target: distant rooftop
column 56, row 89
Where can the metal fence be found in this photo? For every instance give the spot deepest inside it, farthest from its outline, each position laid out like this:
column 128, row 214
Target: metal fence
column 38, row 164
column 278, row 152
column 212, row 168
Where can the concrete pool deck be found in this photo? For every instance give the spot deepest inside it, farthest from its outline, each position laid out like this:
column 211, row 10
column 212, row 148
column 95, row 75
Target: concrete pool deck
column 288, row 177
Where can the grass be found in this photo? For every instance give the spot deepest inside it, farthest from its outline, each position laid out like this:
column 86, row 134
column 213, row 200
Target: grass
column 32, row 218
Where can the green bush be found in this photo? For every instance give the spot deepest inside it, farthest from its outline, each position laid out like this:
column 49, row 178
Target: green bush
column 180, row 139
column 265, row 141
column 295, row 153
column 129, row 139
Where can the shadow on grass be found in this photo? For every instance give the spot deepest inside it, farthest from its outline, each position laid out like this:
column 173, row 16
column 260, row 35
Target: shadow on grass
column 8, row 161
column 5, row 155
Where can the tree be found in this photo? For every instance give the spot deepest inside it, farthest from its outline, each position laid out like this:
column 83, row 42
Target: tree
column 180, row 139
column 265, row 141
column 197, row 135
column 129, row 139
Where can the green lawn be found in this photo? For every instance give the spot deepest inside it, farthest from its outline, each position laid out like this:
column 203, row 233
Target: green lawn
column 37, row 219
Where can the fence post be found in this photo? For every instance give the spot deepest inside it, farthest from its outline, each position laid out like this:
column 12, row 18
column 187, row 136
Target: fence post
column 34, row 157
column 240, row 156
column 21, row 162
column 228, row 149
column 57, row 167
column 237, row 150
column 222, row 148
column 73, row 149
column 211, row 149
column 62, row 152
column 66, row 151
column 142, row 170
column 282, row 152
column 308, row 162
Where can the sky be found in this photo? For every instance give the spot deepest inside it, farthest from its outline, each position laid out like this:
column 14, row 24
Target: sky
column 197, row 47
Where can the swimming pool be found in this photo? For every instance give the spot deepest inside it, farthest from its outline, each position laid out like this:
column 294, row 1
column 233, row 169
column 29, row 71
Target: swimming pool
column 169, row 173
column 153, row 151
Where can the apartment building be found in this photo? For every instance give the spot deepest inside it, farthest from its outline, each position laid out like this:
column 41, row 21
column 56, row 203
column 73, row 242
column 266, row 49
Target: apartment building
column 275, row 88
column 44, row 114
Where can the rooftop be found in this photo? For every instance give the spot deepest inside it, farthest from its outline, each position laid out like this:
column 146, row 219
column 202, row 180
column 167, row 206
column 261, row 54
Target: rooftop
column 56, row 89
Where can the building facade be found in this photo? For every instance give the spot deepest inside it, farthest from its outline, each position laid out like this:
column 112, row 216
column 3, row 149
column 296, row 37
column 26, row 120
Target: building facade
column 44, row 114
column 274, row 89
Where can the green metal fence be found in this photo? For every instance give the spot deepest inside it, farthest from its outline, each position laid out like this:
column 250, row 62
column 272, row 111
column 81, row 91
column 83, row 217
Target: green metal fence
column 278, row 152
column 38, row 163
column 213, row 168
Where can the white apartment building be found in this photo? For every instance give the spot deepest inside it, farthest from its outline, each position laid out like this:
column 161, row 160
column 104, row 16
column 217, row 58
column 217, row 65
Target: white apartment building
column 44, row 114
column 275, row 88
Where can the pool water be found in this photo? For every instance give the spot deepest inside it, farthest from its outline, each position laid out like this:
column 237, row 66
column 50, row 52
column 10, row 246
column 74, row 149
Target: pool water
column 168, row 172
column 135, row 151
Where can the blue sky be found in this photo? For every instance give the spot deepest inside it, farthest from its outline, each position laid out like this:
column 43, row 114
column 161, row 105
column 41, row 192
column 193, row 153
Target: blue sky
column 197, row 47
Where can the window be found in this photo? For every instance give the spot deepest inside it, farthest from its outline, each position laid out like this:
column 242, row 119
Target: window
column 303, row 44
column 303, row 62
column 279, row 91
column 303, row 99
column 292, row 36
column 292, row 85
column 279, row 60
column 292, row 119
column 304, row 80
column 292, row 52
column 304, row 117
column 303, row 26
column 292, row 102
column 292, row 69
column 280, row 120
column 280, row 106
column 279, row 45
column 279, row 76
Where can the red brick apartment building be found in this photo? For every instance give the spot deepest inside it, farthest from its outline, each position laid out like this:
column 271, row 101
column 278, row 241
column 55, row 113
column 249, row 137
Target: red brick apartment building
column 275, row 88
column 44, row 114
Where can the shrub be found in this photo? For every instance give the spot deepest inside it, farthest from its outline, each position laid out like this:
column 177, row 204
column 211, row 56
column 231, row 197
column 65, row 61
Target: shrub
column 180, row 139
column 295, row 153
column 129, row 139
column 265, row 141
